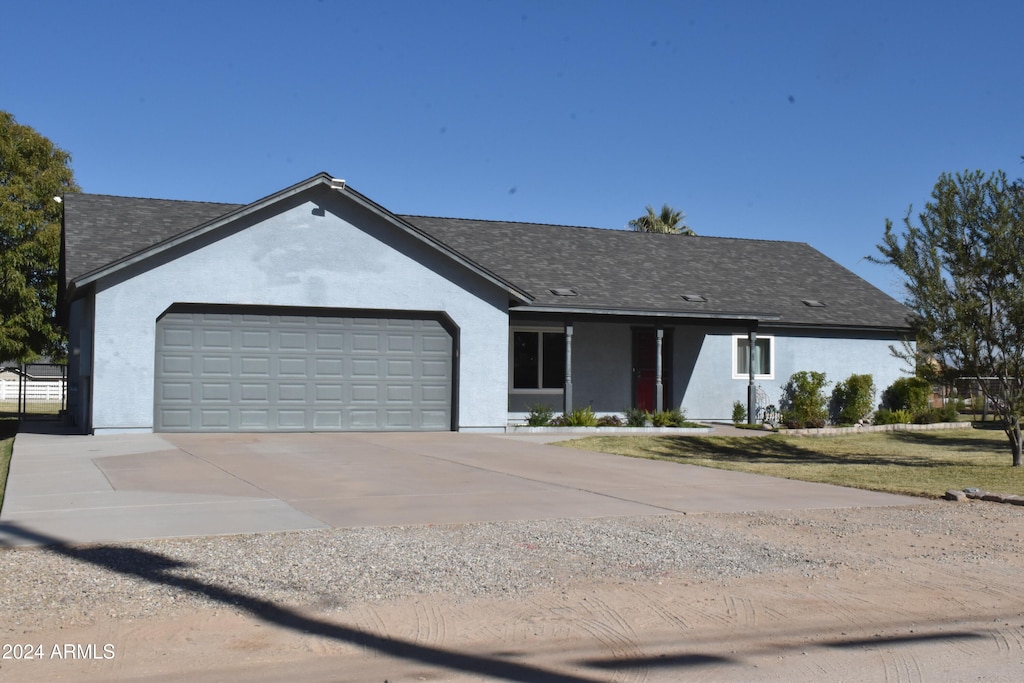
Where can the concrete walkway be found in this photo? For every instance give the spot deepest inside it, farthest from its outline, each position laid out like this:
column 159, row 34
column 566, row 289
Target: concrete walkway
column 82, row 489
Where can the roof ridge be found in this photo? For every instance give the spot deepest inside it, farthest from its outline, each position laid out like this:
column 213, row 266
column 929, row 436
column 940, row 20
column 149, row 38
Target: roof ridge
column 154, row 199
column 592, row 227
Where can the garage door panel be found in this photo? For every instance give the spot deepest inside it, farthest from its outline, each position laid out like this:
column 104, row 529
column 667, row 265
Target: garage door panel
column 175, row 419
column 216, row 365
column 176, row 365
column 365, row 393
column 329, row 341
column 214, row 419
column 292, row 341
column 363, row 419
column 292, row 393
column 247, row 371
column 435, row 419
column 215, row 392
column 401, row 369
column 366, row 343
column 253, row 418
column 327, row 419
column 362, row 367
column 252, row 366
column 256, row 340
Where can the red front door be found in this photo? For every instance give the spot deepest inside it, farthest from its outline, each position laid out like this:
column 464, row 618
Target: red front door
column 645, row 355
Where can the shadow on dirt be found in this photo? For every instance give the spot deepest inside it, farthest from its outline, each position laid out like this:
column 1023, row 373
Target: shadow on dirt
column 159, row 569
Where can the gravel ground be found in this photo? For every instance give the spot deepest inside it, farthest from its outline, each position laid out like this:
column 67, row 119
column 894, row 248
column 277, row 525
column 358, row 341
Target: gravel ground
column 332, row 569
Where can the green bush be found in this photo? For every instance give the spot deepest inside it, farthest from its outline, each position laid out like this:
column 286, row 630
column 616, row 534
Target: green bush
column 540, row 416
column 739, row 413
column 581, row 417
column 853, row 400
column 635, row 417
column 947, row 413
column 668, row 418
column 884, row 416
column 609, row 421
column 804, row 403
column 907, row 393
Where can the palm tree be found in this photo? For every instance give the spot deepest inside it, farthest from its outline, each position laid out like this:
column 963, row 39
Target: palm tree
column 669, row 221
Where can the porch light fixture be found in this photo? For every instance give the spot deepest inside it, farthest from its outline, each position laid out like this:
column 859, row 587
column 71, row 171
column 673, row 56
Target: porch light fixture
column 695, row 298
column 564, row 291
column 814, row 303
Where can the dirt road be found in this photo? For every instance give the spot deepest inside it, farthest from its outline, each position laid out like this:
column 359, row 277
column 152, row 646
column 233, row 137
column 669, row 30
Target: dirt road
column 927, row 593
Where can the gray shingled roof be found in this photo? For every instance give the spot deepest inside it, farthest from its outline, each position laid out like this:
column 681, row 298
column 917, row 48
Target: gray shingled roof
column 618, row 269
column 610, row 270
column 101, row 229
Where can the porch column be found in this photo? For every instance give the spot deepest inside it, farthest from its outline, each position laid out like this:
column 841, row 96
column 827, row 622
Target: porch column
column 567, row 408
column 659, row 393
column 751, row 388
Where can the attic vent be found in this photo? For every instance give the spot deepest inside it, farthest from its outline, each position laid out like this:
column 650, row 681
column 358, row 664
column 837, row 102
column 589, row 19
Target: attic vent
column 563, row 291
column 814, row 303
column 695, row 298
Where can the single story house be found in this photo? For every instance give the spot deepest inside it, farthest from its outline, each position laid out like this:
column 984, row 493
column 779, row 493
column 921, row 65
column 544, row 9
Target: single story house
column 317, row 309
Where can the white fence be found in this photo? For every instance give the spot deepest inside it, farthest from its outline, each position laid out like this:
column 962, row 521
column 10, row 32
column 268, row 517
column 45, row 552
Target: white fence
column 36, row 391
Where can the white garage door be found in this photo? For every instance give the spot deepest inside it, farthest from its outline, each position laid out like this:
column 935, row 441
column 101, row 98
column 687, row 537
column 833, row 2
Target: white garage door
column 240, row 370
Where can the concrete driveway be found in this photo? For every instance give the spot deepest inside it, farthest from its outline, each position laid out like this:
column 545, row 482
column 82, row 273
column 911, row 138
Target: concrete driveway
column 81, row 489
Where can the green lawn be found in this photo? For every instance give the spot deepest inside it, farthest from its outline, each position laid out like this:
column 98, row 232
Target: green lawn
column 915, row 463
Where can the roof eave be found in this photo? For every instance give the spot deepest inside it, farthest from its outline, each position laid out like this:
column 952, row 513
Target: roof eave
column 648, row 313
column 199, row 230
column 321, row 179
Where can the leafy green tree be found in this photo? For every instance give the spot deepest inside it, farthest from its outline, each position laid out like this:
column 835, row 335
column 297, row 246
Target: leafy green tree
column 804, row 403
column 669, row 221
column 963, row 267
column 853, row 399
column 32, row 173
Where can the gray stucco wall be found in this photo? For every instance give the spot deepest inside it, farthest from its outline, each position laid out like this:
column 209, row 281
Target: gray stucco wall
column 601, row 368
column 292, row 256
column 702, row 366
column 712, row 389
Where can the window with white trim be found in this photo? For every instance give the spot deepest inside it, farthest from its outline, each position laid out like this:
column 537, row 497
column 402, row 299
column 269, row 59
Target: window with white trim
column 764, row 357
column 537, row 360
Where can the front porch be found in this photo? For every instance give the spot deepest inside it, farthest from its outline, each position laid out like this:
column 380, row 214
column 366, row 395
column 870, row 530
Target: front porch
column 650, row 363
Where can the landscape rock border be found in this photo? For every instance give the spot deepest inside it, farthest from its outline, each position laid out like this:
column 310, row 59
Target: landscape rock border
column 864, row 429
column 976, row 494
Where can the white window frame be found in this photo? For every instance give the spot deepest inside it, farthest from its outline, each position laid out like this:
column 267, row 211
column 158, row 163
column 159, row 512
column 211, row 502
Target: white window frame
column 540, row 360
column 736, row 338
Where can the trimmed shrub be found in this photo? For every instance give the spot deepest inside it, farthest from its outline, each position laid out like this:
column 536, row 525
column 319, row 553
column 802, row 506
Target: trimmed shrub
column 947, row 413
column 668, row 418
column 884, row 416
column 540, row 416
column 739, row 413
column 853, row 400
column 804, row 403
column 635, row 417
column 609, row 421
column 581, row 417
column 907, row 393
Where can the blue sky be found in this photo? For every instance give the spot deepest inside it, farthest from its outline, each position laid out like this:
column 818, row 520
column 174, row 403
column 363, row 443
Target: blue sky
column 806, row 121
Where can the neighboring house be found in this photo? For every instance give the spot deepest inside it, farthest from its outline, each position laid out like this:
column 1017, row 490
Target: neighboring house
column 317, row 309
